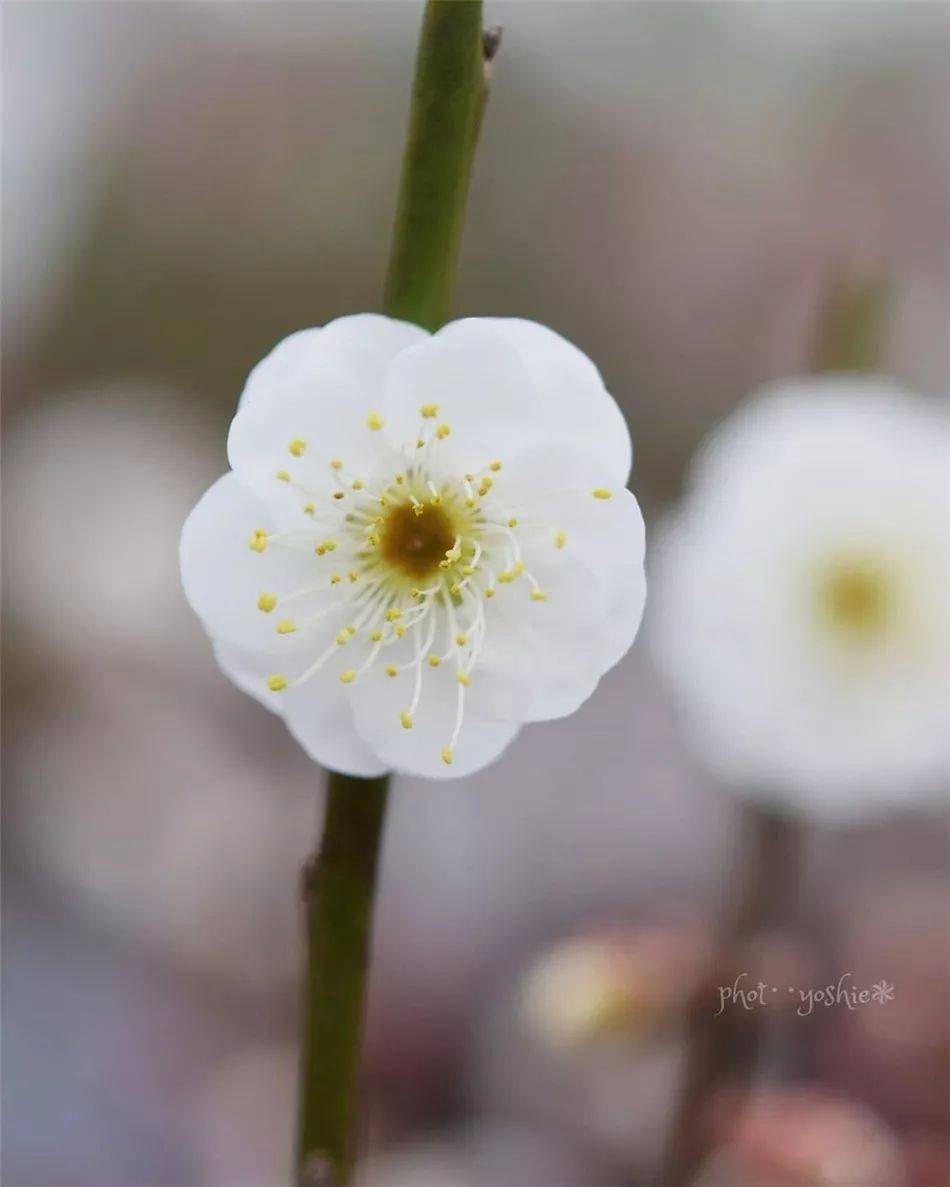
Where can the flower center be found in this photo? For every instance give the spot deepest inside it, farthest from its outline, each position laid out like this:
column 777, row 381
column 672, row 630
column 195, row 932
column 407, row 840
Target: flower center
column 854, row 598
column 415, row 539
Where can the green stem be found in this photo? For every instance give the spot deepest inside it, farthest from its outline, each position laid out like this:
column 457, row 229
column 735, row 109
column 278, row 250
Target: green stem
column 338, row 891
column 339, row 882
column 447, row 99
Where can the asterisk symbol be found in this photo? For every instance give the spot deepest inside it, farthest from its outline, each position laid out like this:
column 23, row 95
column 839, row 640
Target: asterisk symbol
column 882, row 992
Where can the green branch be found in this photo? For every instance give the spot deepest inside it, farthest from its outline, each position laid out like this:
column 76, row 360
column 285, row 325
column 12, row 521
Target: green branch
column 339, row 882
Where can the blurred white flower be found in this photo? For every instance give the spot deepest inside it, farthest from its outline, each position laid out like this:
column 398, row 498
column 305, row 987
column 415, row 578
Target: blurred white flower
column 424, row 542
column 802, row 612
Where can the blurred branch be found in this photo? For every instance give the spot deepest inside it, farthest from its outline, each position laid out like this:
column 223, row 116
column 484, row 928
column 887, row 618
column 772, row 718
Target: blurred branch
column 723, row 1046
column 851, row 326
column 339, row 883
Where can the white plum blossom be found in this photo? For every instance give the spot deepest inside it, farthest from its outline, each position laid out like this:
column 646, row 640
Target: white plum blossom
column 424, row 540
column 802, row 596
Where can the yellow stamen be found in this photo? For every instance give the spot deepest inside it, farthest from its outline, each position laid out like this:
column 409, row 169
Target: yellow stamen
column 538, row 595
column 258, row 542
column 461, row 640
column 560, row 539
column 336, row 463
column 434, row 661
column 308, row 508
column 297, row 446
column 276, row 683
column 429, row 411
column 601, row 492
column 282, row 476
column 267, row 602
column 447, row 755
column 286, row 626
column 495, row 466
column 342, row 638
column 348, row 676
column 374, row 421
column 376, row 636
column 391, row 671
column 463, row 678
column 406, row 719
column 443, row 431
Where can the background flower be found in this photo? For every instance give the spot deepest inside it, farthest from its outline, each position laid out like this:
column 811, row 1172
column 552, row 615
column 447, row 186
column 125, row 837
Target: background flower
column 802, row 615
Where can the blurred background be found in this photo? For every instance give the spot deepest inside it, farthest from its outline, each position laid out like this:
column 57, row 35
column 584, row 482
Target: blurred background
column 671, row 186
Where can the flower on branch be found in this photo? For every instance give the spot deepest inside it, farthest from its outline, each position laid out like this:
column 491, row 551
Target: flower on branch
column 424, row 541
column 802, row 596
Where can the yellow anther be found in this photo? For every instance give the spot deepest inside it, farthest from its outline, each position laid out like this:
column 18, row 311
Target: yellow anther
column 469, row 502
column 485, row 486
column 276, row 683
column 560, row 539
column 455, row 589
column 353, row 576
column 392, row 615
column 601, row 492
column 538, row 595
column 330, row 545
column 282, row 476
column 505, row 578
column 357, row 483
column 443, row 431
column 462, row 678
column 351, row 631
column 336, row 464
column 406, row 719
column 517, row 569
column 415, row 593
column 434, row 661
column 429, row 411
column 335, row 578
column 374, row 421
column 338, row 494
column 495, row 466
column 400, row 630
column 372, row 539
column 258, row 542
column 376, row 636
column 308, row 508
column 286, row 626
column 348, row 675
column 391, row 671
column 447, row 755
column 469, row 477
column 461, row 640
column 512, row 523
column 489, row 592
column 343, row 638
column 320, row 549
column 467, row 570
column 400, row 479
column 297, row 446
column 419, row 443
column 436, row 500
column 267, row 602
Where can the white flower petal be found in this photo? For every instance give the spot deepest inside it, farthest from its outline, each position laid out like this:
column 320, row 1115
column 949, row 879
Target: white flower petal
column 578, row 407
column 317, row 713
column 378, row 701
column 223, row 577
column 364, row 343
column 501, row 387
